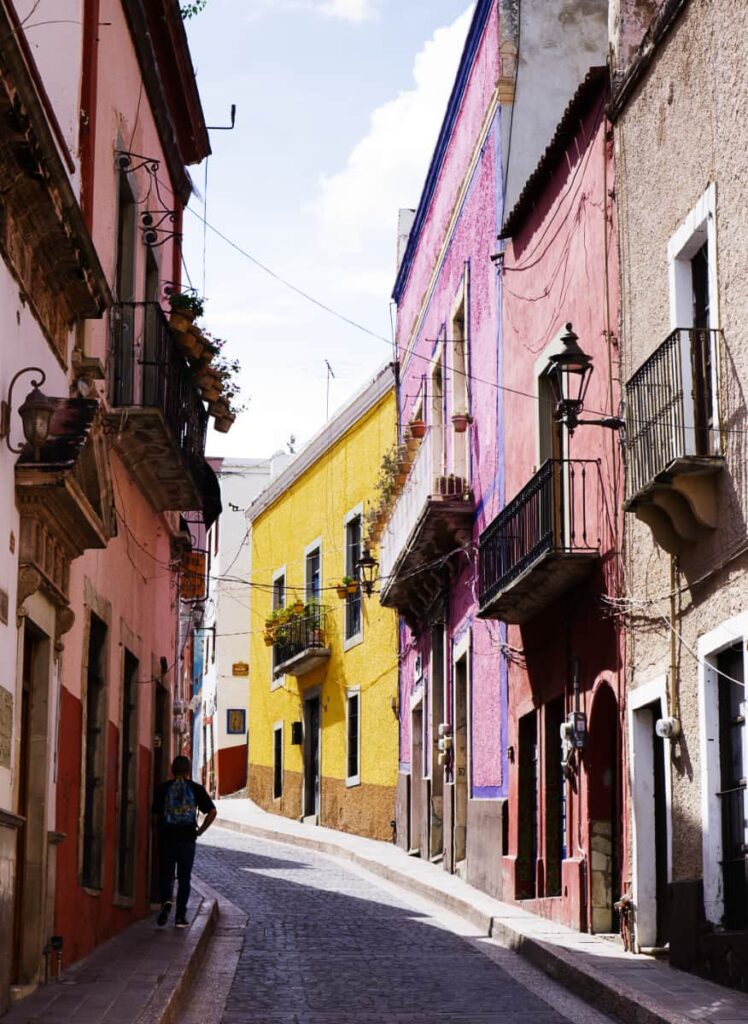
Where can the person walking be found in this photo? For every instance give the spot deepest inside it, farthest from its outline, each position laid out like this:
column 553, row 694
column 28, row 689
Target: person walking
column 176, row 804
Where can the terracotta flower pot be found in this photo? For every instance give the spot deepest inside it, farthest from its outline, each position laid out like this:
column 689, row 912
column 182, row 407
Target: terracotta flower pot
column 181, row 320
column 460, row 422
column 352, row 588
column 225, row 423
column 418, row 428
column 342, row 592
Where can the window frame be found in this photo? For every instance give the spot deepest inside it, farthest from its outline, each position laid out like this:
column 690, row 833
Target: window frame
column 276, row 682
column 351, row 693
column 697, row 228
column 355, row 638
column 315, row 545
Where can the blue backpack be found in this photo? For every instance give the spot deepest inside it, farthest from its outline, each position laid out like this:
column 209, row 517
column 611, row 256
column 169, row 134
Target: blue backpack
column 180, row 807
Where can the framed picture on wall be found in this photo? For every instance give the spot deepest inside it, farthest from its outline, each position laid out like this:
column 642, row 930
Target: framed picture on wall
column 236, row 721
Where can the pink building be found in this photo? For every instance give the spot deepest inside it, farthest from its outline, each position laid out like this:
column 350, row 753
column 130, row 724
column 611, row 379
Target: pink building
column 455, row 773
column 101, row 118
column 549, row 560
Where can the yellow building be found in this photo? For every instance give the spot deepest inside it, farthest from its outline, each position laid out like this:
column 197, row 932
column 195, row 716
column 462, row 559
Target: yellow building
column 323, row 680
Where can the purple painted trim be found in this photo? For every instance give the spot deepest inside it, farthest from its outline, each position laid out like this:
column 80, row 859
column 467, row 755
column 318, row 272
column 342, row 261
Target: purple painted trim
column 472, row 45
column 404, row 767
column 487, row 792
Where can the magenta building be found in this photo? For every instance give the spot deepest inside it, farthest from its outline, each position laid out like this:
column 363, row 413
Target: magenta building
column 454, row 697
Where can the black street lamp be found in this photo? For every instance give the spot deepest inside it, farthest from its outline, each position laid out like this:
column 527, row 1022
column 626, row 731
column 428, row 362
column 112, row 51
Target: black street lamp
column 366, row 570
column 569, row 374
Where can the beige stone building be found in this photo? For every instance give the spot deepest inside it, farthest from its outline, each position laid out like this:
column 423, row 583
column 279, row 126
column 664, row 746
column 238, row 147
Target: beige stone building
column 681, row 134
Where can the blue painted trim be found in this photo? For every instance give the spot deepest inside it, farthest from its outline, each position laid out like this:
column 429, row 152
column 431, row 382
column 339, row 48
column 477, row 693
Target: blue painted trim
column 472, row 44
column 487, row 792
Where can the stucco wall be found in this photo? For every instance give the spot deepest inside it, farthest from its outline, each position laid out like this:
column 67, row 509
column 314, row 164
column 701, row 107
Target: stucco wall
column 673, row 132
column 315, row 506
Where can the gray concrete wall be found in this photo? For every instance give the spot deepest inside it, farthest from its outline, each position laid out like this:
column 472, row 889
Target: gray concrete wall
column 558, row 43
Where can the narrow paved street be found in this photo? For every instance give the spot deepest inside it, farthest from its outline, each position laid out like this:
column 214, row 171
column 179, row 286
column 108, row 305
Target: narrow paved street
column 325, row 944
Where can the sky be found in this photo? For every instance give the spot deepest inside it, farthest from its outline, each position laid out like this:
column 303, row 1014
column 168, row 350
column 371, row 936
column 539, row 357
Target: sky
column 339, row 103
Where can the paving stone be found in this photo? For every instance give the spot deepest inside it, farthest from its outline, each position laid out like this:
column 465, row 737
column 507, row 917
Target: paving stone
column 326, row 945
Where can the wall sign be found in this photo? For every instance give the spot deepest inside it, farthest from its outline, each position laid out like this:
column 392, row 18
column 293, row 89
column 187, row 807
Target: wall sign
column 240, row 668
column 236, row 721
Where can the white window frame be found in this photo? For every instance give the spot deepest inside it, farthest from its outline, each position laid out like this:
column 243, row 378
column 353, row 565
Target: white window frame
column 356, row 512
column 352, row 691
column 278, row 727
column 728, row 633
column 315, row 545
column 641, row 769
column 699, row 226
column 460, row 387
column 277, row 683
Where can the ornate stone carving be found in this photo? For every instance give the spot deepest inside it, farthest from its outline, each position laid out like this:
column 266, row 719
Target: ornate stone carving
column 63, row 624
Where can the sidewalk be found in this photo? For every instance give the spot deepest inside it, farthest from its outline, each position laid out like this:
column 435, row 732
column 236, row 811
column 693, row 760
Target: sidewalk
column 636, row 989
column 140, row 976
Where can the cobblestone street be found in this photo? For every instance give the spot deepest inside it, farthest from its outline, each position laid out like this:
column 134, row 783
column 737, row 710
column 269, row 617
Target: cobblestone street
column 326, row 945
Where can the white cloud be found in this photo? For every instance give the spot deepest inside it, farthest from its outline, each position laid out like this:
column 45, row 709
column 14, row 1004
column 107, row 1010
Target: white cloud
column 357, row 206
column 349, row 10
column 355, row 11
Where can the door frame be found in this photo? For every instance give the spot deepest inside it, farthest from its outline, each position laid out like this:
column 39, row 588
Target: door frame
column 727, row 634
column 641, row 782
column 315, row 693
column 461, row 649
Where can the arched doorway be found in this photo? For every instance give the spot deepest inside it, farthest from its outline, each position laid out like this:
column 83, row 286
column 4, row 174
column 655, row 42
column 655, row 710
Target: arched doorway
column 604, row 809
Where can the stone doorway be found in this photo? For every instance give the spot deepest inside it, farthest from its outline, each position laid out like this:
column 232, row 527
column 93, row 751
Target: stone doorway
column 603, row 776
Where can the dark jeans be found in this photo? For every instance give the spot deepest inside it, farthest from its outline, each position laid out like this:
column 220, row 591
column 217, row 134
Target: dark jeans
column 176, row 854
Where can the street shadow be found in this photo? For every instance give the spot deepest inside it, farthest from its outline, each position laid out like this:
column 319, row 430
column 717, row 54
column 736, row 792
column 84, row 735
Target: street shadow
column 329, row 945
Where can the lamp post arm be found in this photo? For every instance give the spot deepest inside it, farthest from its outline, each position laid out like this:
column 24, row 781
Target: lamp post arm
column 6, row 407
column 612, row 422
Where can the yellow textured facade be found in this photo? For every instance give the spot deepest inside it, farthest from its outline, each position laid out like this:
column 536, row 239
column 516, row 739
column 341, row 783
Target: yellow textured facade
column 316, row 510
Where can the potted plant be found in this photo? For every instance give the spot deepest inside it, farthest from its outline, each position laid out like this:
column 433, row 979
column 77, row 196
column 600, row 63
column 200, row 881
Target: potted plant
column 351, row 584
column 224, row 423
column 269, row 637
column 341, row 590
column 460, row 422
column 418, row 428
column 185, row 308
column 298, row 606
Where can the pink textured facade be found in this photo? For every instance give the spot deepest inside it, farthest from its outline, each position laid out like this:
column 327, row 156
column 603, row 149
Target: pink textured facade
column 565, row 846
column 447, row 336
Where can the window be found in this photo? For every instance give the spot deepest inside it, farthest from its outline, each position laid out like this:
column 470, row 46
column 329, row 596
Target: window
column 352, row 555
column 279, row 601
column 437, row 413
column 127, row 816
column 93, row 755
column 692, row 253
column 353, row 737
column 460, row 370
column 278, row 761
column 313, row 573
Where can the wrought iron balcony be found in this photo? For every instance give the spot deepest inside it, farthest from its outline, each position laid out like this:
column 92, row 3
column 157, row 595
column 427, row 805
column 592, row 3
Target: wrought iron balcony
column 431, row 520
column 673, row 437
column 301, row 643
column 157, row 418
column 542, row 543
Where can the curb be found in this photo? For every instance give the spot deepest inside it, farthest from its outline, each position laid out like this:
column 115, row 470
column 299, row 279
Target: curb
column 167, row 1002
column 611, row 996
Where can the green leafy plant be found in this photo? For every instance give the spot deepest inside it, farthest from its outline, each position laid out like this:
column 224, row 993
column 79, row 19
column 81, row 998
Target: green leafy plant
column 191, row 9
column 189, row 302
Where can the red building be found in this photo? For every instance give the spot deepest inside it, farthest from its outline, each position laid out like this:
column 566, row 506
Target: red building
column 550, row 559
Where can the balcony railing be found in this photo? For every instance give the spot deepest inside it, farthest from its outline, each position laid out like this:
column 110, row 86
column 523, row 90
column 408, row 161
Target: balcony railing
column 162, row 437
column 431, row 518
column 149, row 371
column 541, row 542
column 302, row 643
column 672, row 409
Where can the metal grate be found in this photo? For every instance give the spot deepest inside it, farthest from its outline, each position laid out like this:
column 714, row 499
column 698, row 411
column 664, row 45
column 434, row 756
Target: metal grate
column 670, row 406
column 301, row 633
column 148, row 371
column 550, row 513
